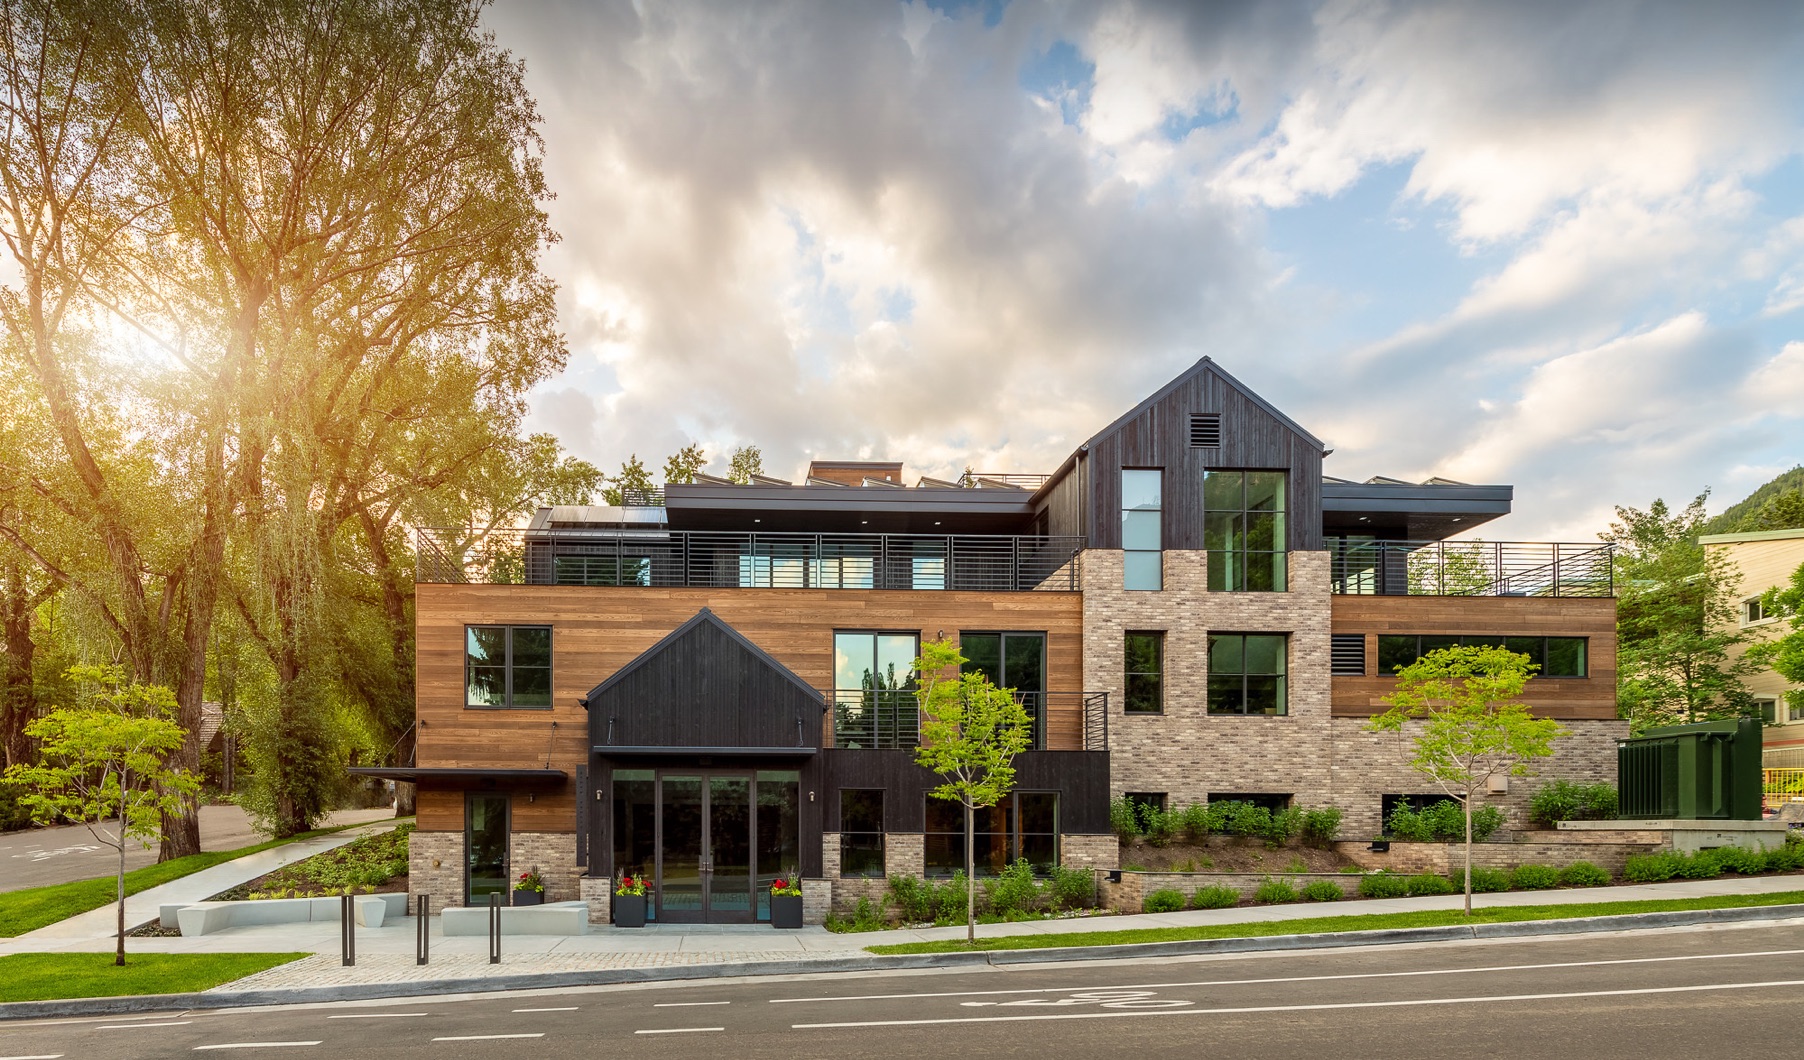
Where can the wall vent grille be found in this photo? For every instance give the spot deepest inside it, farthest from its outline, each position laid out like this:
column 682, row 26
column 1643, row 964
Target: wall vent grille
column 1347, row 654
column 1205, row 430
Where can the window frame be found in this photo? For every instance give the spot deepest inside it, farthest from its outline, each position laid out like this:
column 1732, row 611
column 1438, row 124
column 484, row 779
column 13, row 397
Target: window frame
column 845, row 834
column 1157, row 636
column 507, row 667
column 1212, row 675
column 1128, row 555
column 1489, row 638
column 1753, row 611
column 1237, row 570
column 1010, row 811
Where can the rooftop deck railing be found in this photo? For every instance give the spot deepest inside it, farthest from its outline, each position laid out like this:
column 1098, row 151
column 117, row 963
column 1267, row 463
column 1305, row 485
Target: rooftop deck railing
column 729, row 560
column 890, row 719
column 1471, row 568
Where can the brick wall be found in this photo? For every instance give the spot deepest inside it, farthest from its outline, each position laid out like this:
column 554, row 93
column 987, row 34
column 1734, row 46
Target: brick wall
column 435, row 867
column 1128, row 895
column 553, row 854
column 1445, row 858
column 598, row 891
column 817, row 899
column 904, row 854
column 1089, row 851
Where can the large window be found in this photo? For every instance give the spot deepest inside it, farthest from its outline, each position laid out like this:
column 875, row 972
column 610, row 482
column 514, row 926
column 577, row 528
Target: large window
column 1144, row 663
column 1247, row 673
column 1243, row 529
column 1142, row 538
column 861, row 832
column 507, row 666
column 1012, row 660
column 1024, row 824
column 1556, row 656
column 873, row 680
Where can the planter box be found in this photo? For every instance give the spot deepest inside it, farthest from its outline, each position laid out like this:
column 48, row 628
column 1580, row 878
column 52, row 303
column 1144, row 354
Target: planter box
column 629, row 910
column 529, row 897
column 786, row 911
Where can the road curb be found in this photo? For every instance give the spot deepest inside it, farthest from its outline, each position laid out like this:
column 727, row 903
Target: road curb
column 118, row 1006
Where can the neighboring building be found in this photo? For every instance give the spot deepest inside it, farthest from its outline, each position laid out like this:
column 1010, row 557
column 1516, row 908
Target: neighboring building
column 714, row 691
column 1765, row 560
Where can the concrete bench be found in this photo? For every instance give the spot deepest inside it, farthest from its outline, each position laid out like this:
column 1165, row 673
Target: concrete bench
column 204, row 918
column 552, row 918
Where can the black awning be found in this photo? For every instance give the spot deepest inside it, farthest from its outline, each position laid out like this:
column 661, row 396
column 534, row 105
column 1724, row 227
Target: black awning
column 455, row 776
column 741, row 752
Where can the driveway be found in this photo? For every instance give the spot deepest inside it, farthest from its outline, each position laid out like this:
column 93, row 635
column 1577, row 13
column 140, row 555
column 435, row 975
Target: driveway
column 44, row 856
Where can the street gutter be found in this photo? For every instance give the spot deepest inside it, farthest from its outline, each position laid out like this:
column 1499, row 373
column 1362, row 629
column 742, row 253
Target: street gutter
column 224, row 998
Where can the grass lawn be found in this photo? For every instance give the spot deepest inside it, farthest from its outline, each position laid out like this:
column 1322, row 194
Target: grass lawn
column 1369, row 922
column 54, row 976
column 36, row 907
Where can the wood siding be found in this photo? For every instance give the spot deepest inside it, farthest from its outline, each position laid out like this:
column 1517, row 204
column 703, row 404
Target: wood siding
column 1586, row 698
column 596, row 631
column 1158, row 436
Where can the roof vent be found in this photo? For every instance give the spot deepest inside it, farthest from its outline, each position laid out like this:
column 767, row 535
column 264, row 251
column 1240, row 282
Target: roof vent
column 1205, row 430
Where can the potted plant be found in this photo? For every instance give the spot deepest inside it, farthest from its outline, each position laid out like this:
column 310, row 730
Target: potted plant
column 529, row 889
column 629, row 901
column 786, row 902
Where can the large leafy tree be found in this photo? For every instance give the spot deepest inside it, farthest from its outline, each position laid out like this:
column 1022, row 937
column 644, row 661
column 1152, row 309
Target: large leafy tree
column 1460, row 708
column 1785, row 654
column 1676, row 634
column 971, row 732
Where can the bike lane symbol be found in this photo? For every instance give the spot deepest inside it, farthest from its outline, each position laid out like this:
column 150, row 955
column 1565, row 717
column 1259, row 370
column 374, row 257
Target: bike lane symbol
column 1115, row 999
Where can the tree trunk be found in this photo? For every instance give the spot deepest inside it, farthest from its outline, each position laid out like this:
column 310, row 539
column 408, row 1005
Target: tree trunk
column 18, row 698
column 1468, row 853
column 119, row 951
column 970, row 876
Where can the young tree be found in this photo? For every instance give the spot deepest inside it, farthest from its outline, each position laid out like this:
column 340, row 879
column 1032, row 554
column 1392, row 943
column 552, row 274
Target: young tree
column 745, row 462
column 633, row 480
column 682, row 465
column 1675, row 621
column 1470, row 725
column 104, row 765
column 971, row 732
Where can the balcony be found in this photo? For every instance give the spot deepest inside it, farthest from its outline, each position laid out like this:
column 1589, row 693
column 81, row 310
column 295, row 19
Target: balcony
column 736, row 560
column 890, row 719
column 1471, row 568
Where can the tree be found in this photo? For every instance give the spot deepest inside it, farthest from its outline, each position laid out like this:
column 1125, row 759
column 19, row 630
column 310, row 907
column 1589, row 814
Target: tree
column 682, row 465
column 1675, row 623
column 1471, row 725
column 105, row 764
column 744, row 462
column 1785, row 654
column 971, row 732
column 633, row 482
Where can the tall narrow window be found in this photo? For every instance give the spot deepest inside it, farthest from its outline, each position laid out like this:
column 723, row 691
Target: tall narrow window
column 861, row 832
column 1144, row 663
column 507, row 666
column 1012, row 660
column 1244, row 531
column 1142, row 512
column 1247, row 673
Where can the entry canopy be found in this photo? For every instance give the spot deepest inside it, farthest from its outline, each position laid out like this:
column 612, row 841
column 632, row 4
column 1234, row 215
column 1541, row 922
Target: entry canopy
column 707, row 690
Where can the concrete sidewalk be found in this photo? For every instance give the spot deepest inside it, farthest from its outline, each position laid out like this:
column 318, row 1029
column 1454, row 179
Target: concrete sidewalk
column 100, row 925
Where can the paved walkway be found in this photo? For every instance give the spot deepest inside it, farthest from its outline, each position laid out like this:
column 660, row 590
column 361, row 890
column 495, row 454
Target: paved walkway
column 143, row 907
column 39, row 857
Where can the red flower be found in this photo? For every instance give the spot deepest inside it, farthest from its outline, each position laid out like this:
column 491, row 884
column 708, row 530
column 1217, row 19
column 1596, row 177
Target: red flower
column 780, row 882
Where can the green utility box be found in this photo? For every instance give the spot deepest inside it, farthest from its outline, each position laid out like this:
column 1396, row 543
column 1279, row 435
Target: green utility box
column 1708, row 771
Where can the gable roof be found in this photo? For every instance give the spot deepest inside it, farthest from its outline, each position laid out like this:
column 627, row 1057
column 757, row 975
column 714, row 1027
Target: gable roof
column 702, row 617
column 1206, row 364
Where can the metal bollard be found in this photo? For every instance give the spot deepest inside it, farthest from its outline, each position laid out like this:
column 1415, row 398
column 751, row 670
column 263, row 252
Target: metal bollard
column 347, row 929
column 423, row 945
column 494, row 928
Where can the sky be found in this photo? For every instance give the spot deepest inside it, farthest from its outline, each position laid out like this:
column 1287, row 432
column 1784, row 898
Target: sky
column 1554, row 245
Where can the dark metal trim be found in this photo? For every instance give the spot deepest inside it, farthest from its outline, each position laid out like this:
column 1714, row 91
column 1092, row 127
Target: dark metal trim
column 739, row 752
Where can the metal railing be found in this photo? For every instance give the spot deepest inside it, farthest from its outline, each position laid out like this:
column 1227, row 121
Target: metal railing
column 735, row 560
column 979, row 480
column 1780, row 786
column 1471, row 568
column 890, row 719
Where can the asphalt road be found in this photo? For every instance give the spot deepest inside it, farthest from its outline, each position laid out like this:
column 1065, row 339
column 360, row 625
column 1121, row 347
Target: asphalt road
column 1683, row 993
column 43, row 856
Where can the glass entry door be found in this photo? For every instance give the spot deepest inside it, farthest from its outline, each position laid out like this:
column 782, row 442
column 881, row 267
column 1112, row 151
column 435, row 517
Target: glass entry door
column 705, row 848
column 485, row 848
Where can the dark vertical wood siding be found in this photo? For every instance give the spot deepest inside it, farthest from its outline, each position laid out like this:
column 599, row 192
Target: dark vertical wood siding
column 1158, row 436
column 1080, row 777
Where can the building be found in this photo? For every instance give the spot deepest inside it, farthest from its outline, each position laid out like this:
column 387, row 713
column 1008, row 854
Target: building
column 1765, row 560
column 713, row 690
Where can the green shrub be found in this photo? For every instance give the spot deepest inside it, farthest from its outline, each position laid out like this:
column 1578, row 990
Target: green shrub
column 1484, row 881
column 1562, row 800
column 949, row 899
column 1072, row 888
column 1443, row 822
column 1583, row 874
column 867, row 917
column 1739, row 860
column 1428, row 883
column 1166, row 900
column 1652, row 868
column 1383, row 885
column 1702, row 865
column 1215, row 897
column 911, row 897
column 1321, row 826
column 1283, row 826
column 1162, row 826
column 13, row 815
column 1322, row 891
column 1196, row 821
column 1123, row 821
column 1014, row 892
column 1534, row 877
column 1273, row 892
column 1787, row 856
column 1246, row 819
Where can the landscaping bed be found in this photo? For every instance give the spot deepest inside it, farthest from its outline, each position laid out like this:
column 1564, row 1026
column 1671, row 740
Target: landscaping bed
column 1229, row 854
column 374, row 864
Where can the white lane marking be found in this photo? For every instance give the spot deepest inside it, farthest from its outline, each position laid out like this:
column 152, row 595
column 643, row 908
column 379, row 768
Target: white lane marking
column 40, row 1056
column 486, row 1037
column 688, row 1004
column 567, row 1008
column 374, row 1015
column 1412, row 1003
column 682, row 1030
column 1308, row 978
column 252, row 1045
column 140, row 1026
